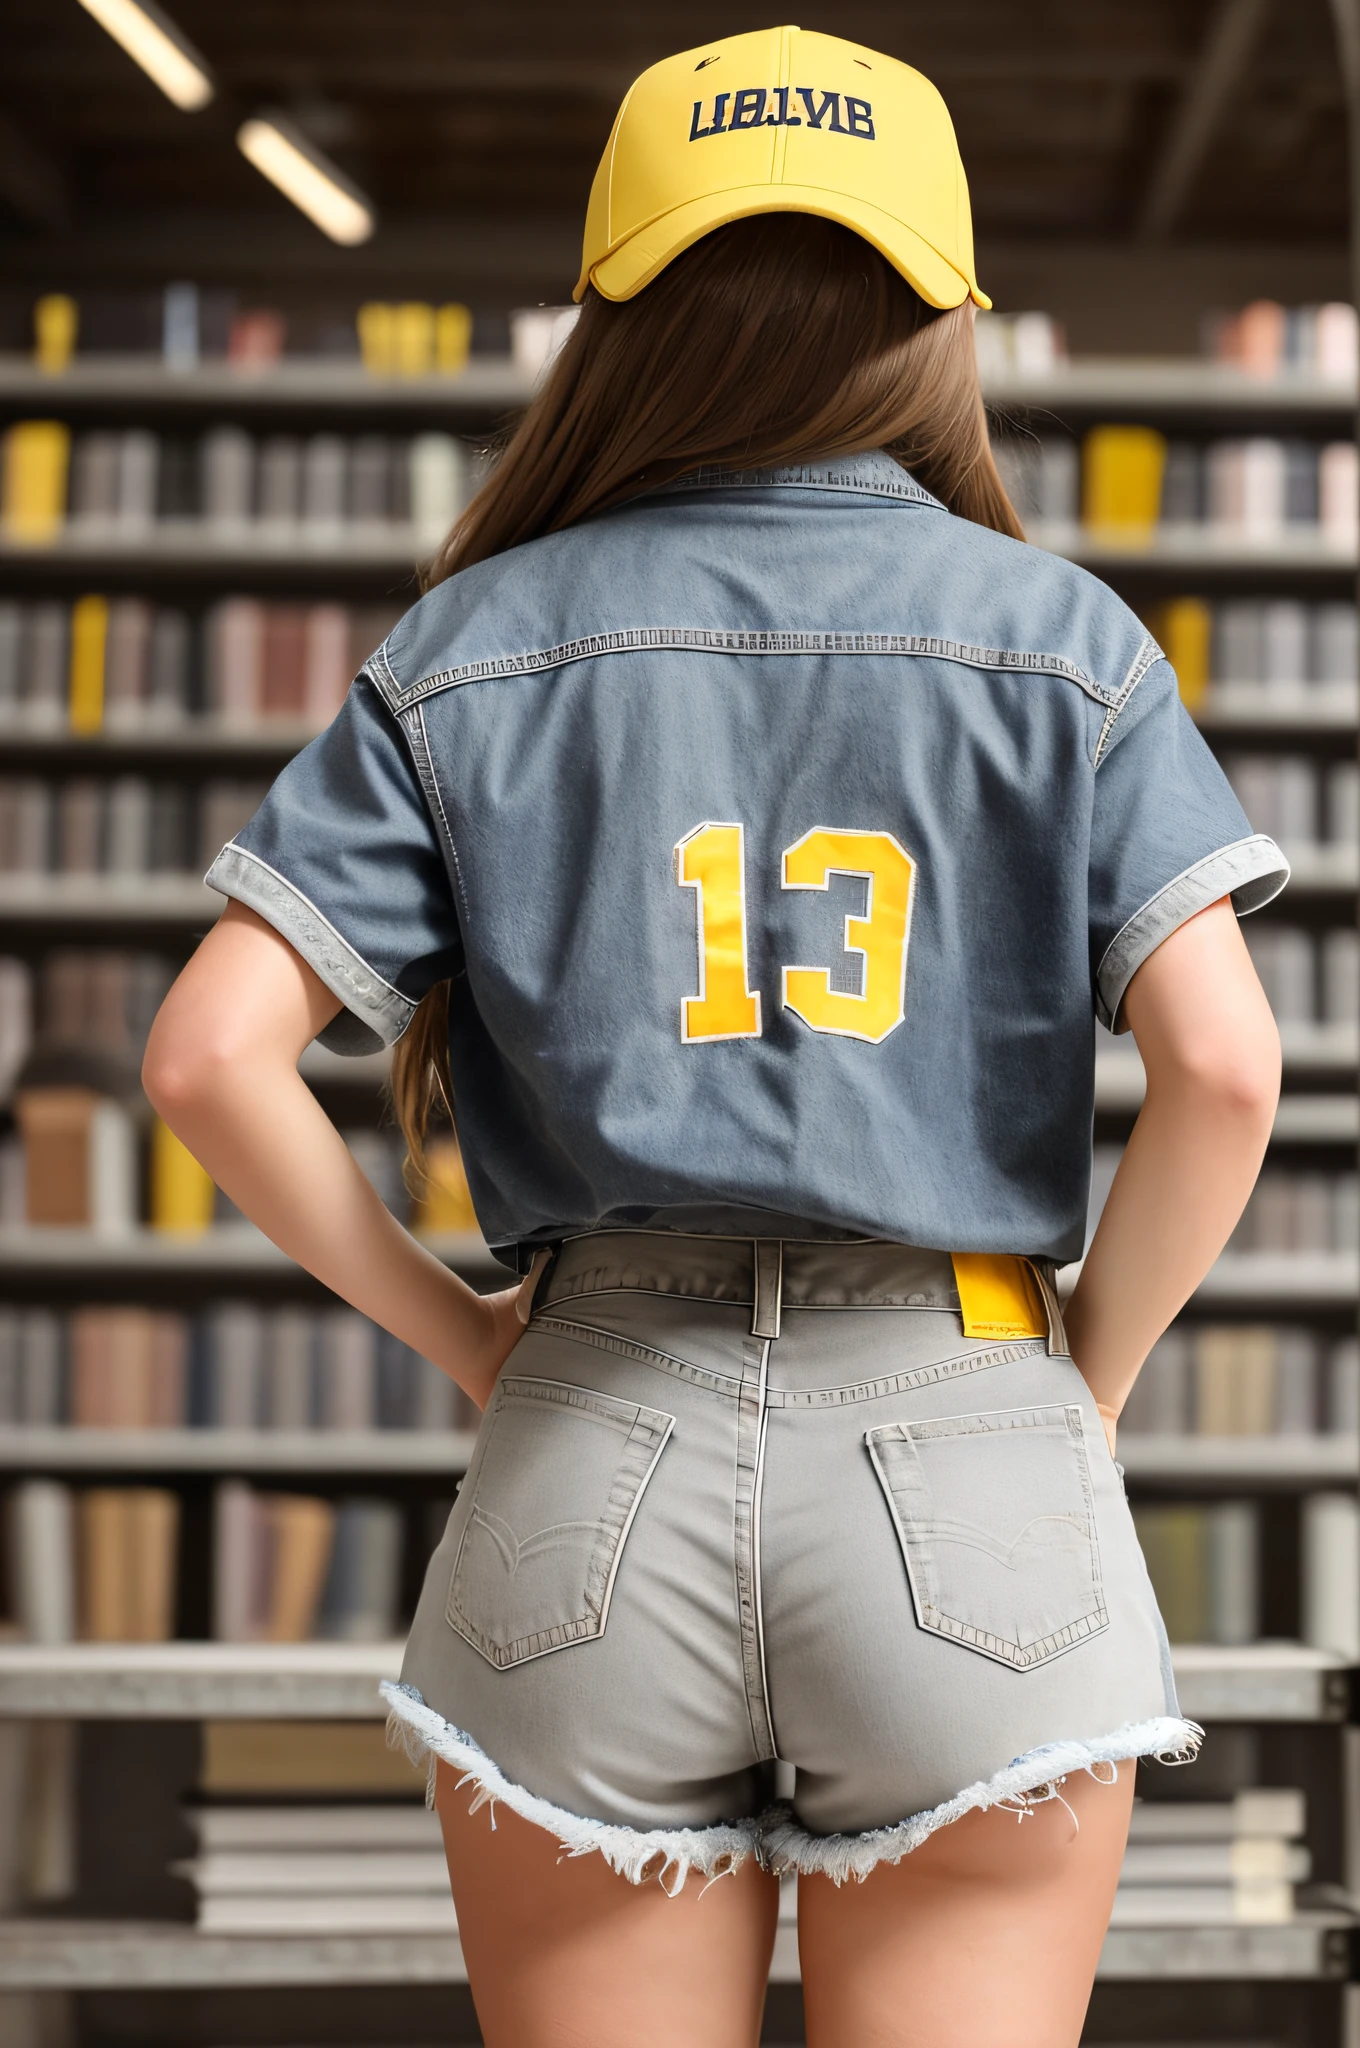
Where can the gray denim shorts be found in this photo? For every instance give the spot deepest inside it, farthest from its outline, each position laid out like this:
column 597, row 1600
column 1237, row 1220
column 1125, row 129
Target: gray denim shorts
column 755, row 1517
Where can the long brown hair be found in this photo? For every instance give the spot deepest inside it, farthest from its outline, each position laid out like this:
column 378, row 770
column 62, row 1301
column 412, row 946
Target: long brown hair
column 771, row 340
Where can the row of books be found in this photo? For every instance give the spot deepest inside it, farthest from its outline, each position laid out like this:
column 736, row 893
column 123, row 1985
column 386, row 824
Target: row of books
column 80, row 1158
column 102, row 1564
column 1308, row 977
column 101, row 999
column 186, row 324
column 1297, row 800
column 1205, row 1562
column 232, row 1365
column 1280, row 643
column 120, row 483
column 1128, row 480
column 127, row 665
column 1288, row 1210
column 1266, row 338
column 1246, row 1379
column 127, row 825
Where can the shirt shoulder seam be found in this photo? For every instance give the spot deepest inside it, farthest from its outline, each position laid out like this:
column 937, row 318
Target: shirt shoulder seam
column 1147, row 657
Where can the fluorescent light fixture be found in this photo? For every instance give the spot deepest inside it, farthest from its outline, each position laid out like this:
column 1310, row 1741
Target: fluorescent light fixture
column 281, row 153
column 156, row 44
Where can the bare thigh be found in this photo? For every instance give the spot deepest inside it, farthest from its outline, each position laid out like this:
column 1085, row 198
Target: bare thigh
column 987, row 1936
column 563, row 1953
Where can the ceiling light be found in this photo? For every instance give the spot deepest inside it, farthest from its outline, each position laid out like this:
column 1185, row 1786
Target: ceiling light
column 157, row 45
column 283, row 155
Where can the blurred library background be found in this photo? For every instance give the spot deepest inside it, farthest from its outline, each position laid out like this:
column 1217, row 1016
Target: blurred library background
column 272, row 281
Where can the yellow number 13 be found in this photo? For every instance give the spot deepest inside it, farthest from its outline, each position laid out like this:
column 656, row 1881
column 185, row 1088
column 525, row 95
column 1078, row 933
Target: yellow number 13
column 710, row 860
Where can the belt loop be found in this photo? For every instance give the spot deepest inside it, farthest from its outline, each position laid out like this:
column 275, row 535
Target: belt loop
column 767, row 1292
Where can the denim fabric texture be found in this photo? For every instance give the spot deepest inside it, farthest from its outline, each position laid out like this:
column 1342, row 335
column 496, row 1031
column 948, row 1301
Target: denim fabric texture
column 894, row 1560
column 817, row 648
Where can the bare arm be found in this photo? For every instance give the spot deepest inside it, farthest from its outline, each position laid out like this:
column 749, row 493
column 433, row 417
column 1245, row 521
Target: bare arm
column 221, row 1069
column 1212, row 1055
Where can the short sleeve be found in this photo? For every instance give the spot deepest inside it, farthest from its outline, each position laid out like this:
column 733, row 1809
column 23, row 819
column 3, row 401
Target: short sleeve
column 1168, row 838
column 343, row 859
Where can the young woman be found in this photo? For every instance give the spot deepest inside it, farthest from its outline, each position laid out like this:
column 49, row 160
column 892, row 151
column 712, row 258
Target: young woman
column 743, row 833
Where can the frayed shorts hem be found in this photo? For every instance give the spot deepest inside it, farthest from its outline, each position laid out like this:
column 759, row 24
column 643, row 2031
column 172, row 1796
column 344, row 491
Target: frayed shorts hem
column 775, row 1838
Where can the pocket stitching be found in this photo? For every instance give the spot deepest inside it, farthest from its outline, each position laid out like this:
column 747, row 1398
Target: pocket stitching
column 645, row 1439
column 933, row 1618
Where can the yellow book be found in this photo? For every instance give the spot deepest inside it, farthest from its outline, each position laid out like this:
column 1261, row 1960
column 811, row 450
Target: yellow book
column 376, row 323
column 1122, row 480
column 304, row 1756
column 33, row 487
column 55, row 320
column 181, row 1190
column 446, row 1203
column 1184, row 626
column 89, row 641
column 413, row 339
column 452, row 339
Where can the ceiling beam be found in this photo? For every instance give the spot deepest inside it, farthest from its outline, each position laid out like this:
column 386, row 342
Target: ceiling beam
column 1226, row 53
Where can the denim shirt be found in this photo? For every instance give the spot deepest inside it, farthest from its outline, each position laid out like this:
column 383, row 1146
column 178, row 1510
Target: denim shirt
column 780, row 834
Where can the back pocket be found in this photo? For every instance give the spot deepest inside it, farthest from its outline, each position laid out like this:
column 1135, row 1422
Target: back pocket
column 995, row 1517
column 555, row 1484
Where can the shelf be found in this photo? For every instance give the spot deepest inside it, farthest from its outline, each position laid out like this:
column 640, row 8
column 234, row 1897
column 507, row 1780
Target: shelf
column 1299, row 1119
column 174, row 902
column 1267, row 1280
column 1191, row 549
column 1276, row 1462
column 231, row 1251
column 60, row 1448
column 1264, row 1461
column 490, row 384
column 1274, row 707
column 1115, row 384
column 339, row 1681
column 200, row 549
column 109, row 1954
column 270, row 743
column 302, row 384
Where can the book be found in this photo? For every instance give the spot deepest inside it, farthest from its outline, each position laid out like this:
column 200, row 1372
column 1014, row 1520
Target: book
column 437, row 485
column 321, row 1873
column 42, row 1549
column 46, row 672
column 272, row 1758
column 11, row 648
column 181, row 1190
column 126, row 674
column 346, row 1370
column 1334, row 656
column 128, row 1538
column 127, row 826
column 1341, row 1388
column 236, row 1563
column 1204, row 1567
column 279, row 479
column 79, row 1158
column 362, row 1588
column 301, row 1533
column 1235, row 1370
column 1330, row 1572
column 290, row 1373
column 370, row 478
column 138, row 476
column 1174, row 1905
column 94, row 477
column 1273, row 1812
column 356, row 1913
column 234, row 647
column 324, row 464
column 234, row 1351
column 325, row 662
column 56, row 322
column 34, row 458
column 1338, row 493
column 227, row 488
column 1184, row 627
column 224, row 807
column 1241, row 1859
column 1122, row 470
column 313, row 1829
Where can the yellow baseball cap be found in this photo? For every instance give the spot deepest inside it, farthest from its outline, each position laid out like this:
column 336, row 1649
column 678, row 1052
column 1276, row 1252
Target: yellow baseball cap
column 781, row 121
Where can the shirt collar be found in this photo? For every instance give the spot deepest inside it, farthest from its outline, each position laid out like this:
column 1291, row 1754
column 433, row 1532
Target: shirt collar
column 873, row 474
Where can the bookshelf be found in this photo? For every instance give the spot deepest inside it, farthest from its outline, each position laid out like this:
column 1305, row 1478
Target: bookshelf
column 1279, row 1691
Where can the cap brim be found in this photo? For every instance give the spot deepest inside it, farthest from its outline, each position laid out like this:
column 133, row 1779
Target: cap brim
column 627, row 270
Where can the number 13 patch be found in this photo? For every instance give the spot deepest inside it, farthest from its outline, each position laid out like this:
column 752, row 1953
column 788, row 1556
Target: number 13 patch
column 711, row 860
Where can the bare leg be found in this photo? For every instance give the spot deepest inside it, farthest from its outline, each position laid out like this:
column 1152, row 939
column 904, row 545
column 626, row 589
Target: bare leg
column 563, row 1953
column 987, row 1936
